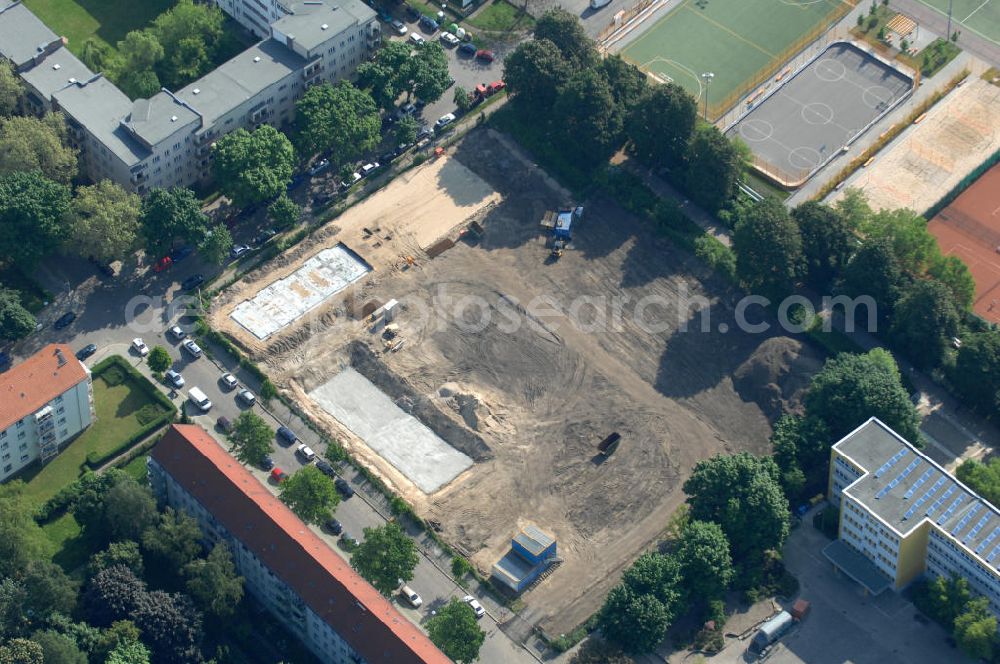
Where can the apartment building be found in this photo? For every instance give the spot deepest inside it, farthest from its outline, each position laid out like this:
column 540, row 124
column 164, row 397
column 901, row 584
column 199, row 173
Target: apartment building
column 44, row 402
column 902, row 515
column 307, row 586
column 166, row 140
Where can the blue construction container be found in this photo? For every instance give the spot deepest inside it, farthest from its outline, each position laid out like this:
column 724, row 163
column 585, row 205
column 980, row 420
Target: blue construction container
column 533, row 545
column 531, row 553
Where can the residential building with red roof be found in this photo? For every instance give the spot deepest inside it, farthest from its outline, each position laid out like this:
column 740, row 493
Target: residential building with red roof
column 44, row 402
column 304, row 583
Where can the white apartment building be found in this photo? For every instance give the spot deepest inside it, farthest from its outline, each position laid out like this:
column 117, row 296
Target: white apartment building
column 310, row 589
column 902, row 515
column 44, row 402
column 166, row 140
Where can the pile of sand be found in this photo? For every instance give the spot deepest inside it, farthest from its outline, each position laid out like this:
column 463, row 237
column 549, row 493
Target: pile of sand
column 478, row 412
column 777, row 375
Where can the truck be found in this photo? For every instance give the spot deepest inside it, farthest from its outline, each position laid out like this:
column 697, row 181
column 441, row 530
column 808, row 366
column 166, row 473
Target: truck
column 608, row 446
column 771, row 631
column 559, row 223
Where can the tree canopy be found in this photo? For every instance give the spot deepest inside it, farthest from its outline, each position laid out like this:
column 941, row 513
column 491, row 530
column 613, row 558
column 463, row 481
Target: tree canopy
column 566, row 32
column 159, row 359
column 827, row 242
column 534, row 73
column 634, row 621
column 168, row 215
column 252, row 167
column 874, row 271
column 456, row 631
column 32, row 217
column 310, row 494
column 385, row 556
column 340, row 119
column 706, row 566
column 976, row 375
column 660, row 124
column 586, row 108
column 768, row 248
column 284, row 212
column 715, row 165
column 251, row 438
column 175, row 541
column 16, row 322
column 28, row 143
column 216, row 244
column 104, row 221
column 924, row 323
column 213, row 582
column 11, row 89
column 428, row 72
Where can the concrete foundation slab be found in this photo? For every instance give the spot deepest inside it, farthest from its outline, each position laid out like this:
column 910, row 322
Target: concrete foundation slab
column 284, row 301
column 401, row 439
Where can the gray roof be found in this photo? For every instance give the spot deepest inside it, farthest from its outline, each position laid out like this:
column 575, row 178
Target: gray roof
column 903, row 486
column 857, row 566
column 313, row 22
column 22, row 34
column 159, row 117
column 99, row 106
column 241, row 78
column 55, row 72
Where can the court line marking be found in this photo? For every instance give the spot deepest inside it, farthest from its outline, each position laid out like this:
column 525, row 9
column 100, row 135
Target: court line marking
column 687, row 5
column 945, row 15
column 985, row 2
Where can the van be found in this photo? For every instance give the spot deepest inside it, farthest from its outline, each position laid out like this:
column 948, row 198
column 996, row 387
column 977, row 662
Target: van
column 198, row 398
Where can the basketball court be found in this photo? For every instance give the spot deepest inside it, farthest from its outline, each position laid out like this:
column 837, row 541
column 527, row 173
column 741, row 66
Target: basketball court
column 970, row 229
column 804, row 123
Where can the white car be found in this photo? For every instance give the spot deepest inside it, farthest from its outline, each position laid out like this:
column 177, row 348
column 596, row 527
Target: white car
column 175, row 378
column 305, row 452
column 139, row 346
column 449, row 39
column 477, row 608
column 444, row 120
column 416, row 39
column 411, row 596
column 398, row 26
column 247, row 397
column 319, row 167
column 191, row 347
column 229, row 380
column 597, row 4
column 367, row 169
column 177, row 333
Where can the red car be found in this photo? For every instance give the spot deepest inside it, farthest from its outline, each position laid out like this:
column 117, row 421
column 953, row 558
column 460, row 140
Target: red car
column 278, row 475
column 163, row 264
column 484, row 55
column 495, row 87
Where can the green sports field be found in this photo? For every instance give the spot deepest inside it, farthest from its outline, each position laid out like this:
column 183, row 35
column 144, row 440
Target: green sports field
column 740, row 41
column 979, row 16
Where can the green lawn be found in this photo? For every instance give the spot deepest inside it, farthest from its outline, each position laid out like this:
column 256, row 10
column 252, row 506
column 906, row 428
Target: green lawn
column 502, row 17
column 137, row 469
column 117, row 408
column 106, row 20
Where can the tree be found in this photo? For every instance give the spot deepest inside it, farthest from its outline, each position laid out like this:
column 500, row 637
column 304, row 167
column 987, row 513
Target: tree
column 386, row 556
column 924, row 323
column 976, row 630
column 47, row 590
column 906, row 231
column 32, row 217
column 600, row 652
column 189, row 61
column 21, row 538
column 802, row 451
column 252, row 167
column 58, row 648
column 715, row 165
column 28, row 143
column 140, row 50
column 657, row 575
column 461, row 100
column 977, row 370
column 309, row 493
column 129, row 652
column 707, row 568
column 565, row 31
column 827, row 242
column 175, row 541
column 874, row 272
column 98, row 56
column 11, row 89
column 213, row 582
column 982, row 477
column 125, row 553
column 741, row 494
column 170, row 626
column 129, row 509
column 455, row 631
column 428, row 72
column 121, row 633
column 854, row 387
column 954, row 273
column 284, row 212
column 251, row 438
column 660, row 124
column 628, row 83
column 159, row 359
column 338, row 118
column 104, row 221
column 635, row 622
column 16, row 322
column 21, row 651
column 585, row 107
column 112, row 594
column 535, row 72
column 406, row 131
column 943, row 599
column 141, row 84
column 169, row 214
column 768, row 248
column 189, row 33
column 387, row 76
column 216, row 244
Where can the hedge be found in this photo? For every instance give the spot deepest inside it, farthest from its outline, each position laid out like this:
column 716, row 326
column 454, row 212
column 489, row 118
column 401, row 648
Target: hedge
column 118, row 369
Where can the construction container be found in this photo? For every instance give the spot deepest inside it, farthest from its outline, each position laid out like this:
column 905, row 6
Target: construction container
column 771, row 631
column 608, row 446
column 533, row 545
column 800, row 609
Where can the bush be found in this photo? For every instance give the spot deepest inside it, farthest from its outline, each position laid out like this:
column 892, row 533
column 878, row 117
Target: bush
column 148, row 413
column 718, row 256
column 113, row 376
column 460, row 568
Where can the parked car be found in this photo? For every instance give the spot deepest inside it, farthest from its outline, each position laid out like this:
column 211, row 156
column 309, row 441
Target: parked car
column 417, row 40
column 278, row 475
column 139, row 346
column 425, row 132
column 333, row 526
column 174, row 378
column 484, row 55
column 343, row 487
column 65, row 320
column 86, row 351
column 225, row 424
column 354, row 179
column 468, row 48
column 264, row 237
column 398, row 26
column 325, row 468
column 162, row 264
column 412, row 13
column 597, row 4
column 305, row 452
column 444, row 121
column 405, row 110
column 449, row 39
column 368, row 169
column 229, row 381
column 177, row 333
column 477, row 608
column 428, row 24
column 190, row 346
column 246, row 397
column 348, row 542
column 411, row 596
column 238, row 250
column 193, row 282
column 319, row 167
column 286, row 435
column 180, row 253
column 267, row 463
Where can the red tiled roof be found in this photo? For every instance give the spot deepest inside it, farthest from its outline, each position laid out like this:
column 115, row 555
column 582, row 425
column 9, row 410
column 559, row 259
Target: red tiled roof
column 36, row 381
column 266, row 526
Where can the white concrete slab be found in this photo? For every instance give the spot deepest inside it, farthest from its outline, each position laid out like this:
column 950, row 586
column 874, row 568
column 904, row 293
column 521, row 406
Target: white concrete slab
column 284, row 301
column 398, row 437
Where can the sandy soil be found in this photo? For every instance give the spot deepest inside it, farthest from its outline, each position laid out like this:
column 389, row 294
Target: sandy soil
column 530, row 390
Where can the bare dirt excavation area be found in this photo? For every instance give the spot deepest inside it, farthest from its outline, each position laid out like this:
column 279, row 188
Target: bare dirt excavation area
column 522, row 366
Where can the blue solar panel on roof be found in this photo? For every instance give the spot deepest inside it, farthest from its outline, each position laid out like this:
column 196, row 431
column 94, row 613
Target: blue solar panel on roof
column 891, row 462
column 916, row 485
column 933, row 489
column 993, row 553
column 986, row 542
column 965, row 519
column 975, row 530
column 951, row 509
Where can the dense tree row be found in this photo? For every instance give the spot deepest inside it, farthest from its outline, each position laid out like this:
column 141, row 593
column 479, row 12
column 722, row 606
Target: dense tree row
column 951, row 603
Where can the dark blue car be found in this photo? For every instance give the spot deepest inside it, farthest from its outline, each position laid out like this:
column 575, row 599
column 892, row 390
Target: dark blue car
column 286, row 435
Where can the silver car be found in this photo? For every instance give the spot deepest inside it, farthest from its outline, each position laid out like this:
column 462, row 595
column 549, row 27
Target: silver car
column 174, row 378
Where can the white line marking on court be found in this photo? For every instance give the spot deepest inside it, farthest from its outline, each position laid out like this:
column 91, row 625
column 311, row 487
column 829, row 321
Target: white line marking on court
column 985, row 2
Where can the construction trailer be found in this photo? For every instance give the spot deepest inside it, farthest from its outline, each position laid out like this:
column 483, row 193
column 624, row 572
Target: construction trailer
column 559, row 224
column 771, row 631
column 532, row 552
column 608, row 446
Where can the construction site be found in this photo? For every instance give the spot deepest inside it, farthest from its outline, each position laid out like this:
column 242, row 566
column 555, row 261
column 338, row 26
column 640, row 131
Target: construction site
column 498, row 386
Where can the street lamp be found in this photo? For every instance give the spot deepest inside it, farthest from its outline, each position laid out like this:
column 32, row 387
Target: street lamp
column 707, row 77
